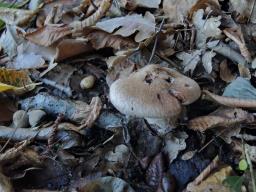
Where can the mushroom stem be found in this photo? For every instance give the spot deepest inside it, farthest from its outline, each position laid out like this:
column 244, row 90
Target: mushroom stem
column 165, row 125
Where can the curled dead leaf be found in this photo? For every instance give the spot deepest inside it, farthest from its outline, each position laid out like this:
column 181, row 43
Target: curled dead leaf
column 101, row 39
column 225, row 73
column 18, row 17
column 222, row 117
column 48, row 35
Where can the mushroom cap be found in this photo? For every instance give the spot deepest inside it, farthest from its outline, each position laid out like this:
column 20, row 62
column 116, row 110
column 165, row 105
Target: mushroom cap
column 153, row 92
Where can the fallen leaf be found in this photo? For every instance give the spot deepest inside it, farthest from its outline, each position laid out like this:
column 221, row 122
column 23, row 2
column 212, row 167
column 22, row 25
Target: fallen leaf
column 174, row 144
column 27, row 61
column 129, row 25
column 133, row 4
column 101, row 39
column 207, row 60
column 205, row 27
column 242, row 8
column 222, row 117
column 213, row 183
column 9, row 41
column 119, row 155
column 240, row 88
column 106, row 184
column 190, row 60
column 16, row 81
column 225, row 73
column 177, row 10
column 17, row 17
column 155, row 171
column 48, row 35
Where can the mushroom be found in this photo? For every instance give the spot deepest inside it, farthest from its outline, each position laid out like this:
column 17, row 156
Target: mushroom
column 155, row 93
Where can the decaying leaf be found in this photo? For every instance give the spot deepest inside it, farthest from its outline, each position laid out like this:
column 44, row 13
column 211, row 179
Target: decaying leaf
column 16, row 81
column 48, row 35
column 5, row 184
column 119, row 155
column 205, row 27
column 225, row 73
column 129, row 25
column 190, row 60
column 132, row 4
column 243, row 9
column 177, row 10
column 213, row 183
column 155, row 171
column 108, row 183
column 9, row 41
column 237, row 36
column 17, row 17
column 101, row 39
column 174, row 144
column 207, row 60
column 91, row 20
column 222, row 117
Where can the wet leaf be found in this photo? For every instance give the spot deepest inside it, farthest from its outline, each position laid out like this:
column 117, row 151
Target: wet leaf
column 154, row 173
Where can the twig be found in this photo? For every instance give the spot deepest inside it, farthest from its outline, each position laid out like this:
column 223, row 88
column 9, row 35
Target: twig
column 51, row 139
column 13, row 152
column 7, row 142
column 156, row 40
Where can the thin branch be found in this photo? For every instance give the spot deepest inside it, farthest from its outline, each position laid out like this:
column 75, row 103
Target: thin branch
column 156, row 40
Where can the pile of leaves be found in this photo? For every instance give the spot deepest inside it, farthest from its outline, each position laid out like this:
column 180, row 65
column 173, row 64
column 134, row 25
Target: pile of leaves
column 58, row 128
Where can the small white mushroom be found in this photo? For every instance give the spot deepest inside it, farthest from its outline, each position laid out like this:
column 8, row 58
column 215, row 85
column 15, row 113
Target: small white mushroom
column 87, row 82
column 20, row 119
column 155, row 93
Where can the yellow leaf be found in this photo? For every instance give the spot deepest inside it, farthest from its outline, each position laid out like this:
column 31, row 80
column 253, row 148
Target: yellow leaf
column 16, row 81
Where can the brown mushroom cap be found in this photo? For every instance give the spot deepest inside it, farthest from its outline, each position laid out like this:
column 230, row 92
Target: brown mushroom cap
column 153, row 92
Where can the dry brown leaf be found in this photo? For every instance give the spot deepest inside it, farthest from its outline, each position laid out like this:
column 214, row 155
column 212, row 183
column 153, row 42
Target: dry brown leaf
column 94, row 112
column 133, row 4
column 244, row 71
column 91, row 20
column 213, row 183
column 71, row 47
column 18, row 17
column 48, row 35
column 225, row 73
column 222, row 117
column 237, row 36
column 242, row 8
column 129, row 25
column 5, row 183
column 203, row 4
column 101, row 39
column 177, row 10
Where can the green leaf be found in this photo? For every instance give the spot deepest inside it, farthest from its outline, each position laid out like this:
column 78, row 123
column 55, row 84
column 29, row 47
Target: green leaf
column 243, row 165
column 234, row 183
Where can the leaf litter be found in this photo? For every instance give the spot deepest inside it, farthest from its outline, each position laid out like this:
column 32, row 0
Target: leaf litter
column 170, row 104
